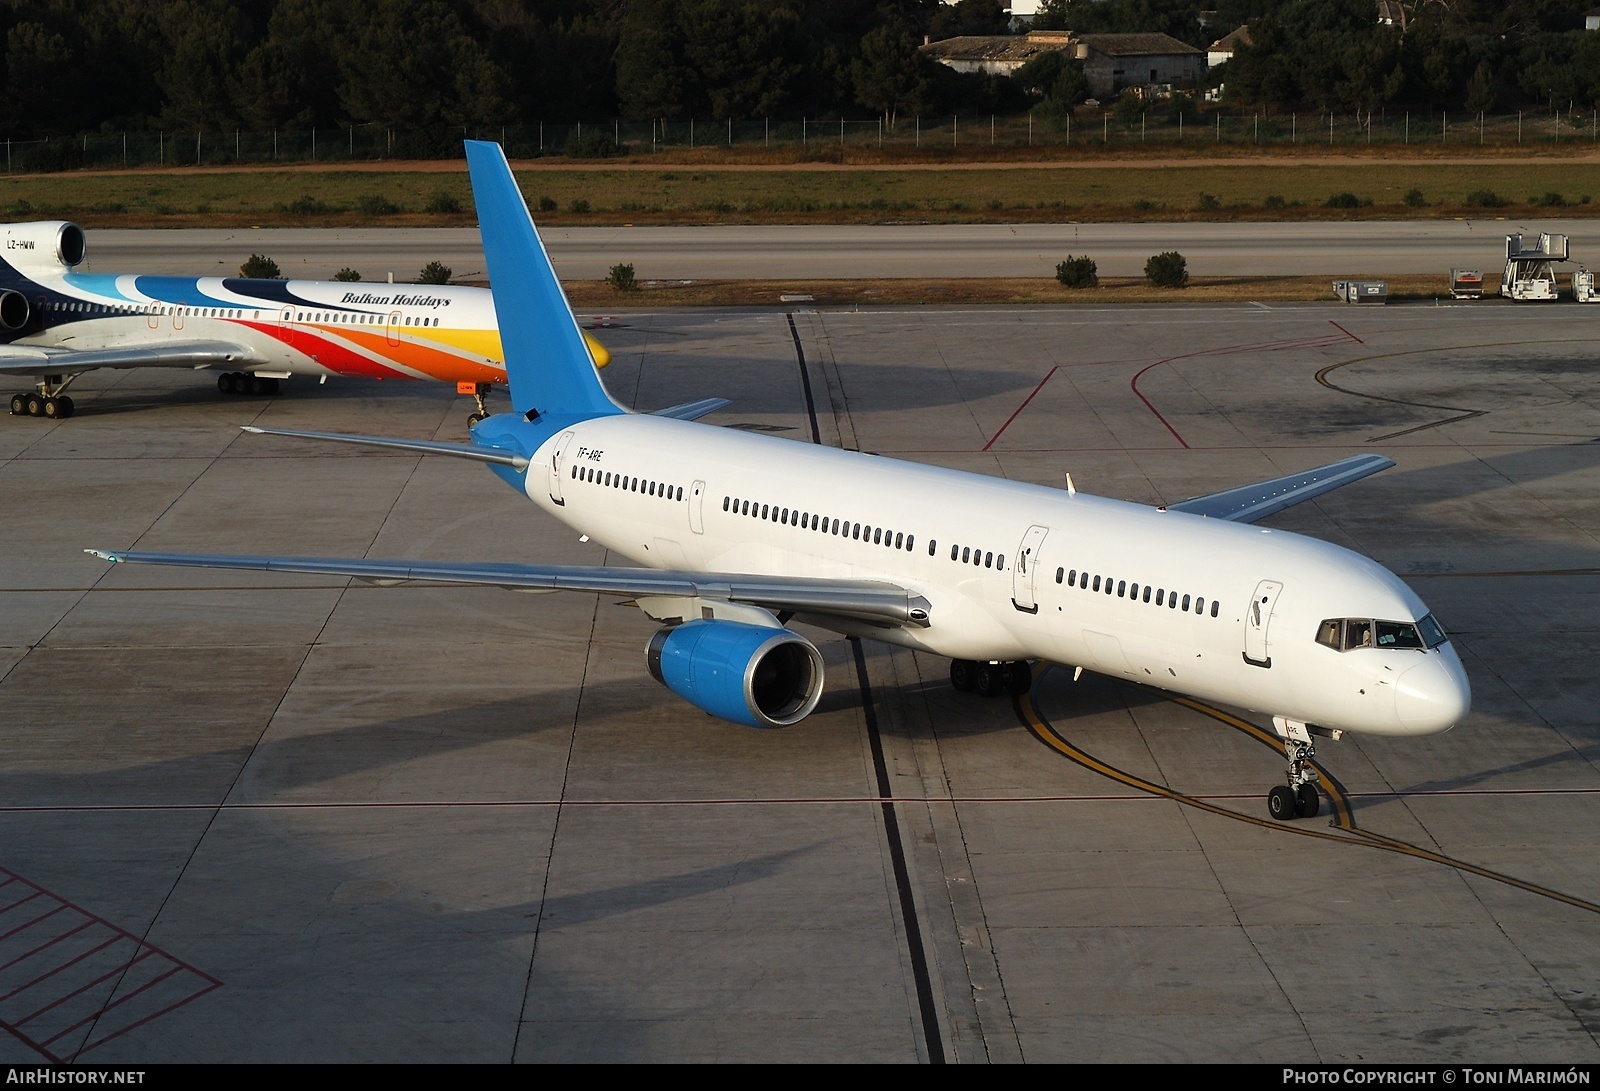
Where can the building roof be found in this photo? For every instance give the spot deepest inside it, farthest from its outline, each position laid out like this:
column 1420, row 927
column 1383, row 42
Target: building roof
column 1001, row 47
column 1230, row 42
column 1137, row 45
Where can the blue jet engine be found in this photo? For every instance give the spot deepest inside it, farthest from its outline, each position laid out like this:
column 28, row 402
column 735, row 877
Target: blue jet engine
column 748, row 674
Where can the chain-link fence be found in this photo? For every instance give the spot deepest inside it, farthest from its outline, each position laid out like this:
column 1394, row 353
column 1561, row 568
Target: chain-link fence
column 1120, row 126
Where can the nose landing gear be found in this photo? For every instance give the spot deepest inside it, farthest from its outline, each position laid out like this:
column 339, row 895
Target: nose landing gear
column 480, row 394
column 1298, row 798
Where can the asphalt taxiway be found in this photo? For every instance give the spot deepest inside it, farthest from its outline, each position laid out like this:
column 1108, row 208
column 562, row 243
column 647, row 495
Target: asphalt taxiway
column 812, row 252
column 249, row 817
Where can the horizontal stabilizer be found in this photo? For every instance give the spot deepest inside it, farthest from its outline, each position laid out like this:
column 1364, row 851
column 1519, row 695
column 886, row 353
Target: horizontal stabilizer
column 514, row 459
column 20, row 360
column 1252, row 502
column 869, row 599
column 692, row 410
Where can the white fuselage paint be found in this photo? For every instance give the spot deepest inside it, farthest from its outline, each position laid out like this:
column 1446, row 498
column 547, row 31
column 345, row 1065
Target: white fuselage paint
column 976, row 609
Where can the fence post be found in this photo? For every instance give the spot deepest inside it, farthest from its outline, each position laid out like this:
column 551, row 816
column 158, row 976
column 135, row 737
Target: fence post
column 991, row 130
column 1105, row 125
column 730, row 132
column 161, row 147
column 313, row 143
column 952, row 131
column 841, row 128
column 1444, row 124
column 1330, row 128
column 196, row 146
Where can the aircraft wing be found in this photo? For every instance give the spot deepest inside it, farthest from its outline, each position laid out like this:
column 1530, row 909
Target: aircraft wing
column 691, row 410
column 1264, row 498
column 29, row 360
column 870, row 600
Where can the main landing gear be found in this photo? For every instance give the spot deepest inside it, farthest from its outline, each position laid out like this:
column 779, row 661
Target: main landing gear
column 47, row 401
column 242, row 382
column 991, row 679
column 1298, row 798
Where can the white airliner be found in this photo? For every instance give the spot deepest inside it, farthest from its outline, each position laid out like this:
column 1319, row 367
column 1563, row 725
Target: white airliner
column 741, row 534
column 57, row 323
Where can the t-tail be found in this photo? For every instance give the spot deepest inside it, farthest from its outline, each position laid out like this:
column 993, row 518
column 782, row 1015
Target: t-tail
column 548, row 366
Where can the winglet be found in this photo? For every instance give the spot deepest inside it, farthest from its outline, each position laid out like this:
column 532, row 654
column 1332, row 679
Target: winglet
column 548, row 365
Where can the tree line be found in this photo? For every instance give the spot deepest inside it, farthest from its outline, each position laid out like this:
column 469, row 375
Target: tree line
column 440, row 66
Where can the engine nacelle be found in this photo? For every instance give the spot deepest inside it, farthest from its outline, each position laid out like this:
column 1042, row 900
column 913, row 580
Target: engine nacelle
column 748, row 674
column 47, row 246
column 14, row 310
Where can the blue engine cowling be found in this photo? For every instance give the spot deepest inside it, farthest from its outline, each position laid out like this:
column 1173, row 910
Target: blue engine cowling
column 748, row 674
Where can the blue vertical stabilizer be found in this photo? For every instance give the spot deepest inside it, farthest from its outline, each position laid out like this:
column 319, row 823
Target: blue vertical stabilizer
column 547, row 363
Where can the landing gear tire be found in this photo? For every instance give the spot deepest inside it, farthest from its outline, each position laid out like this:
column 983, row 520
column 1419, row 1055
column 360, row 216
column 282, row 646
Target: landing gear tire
column 58, row 408
column 1282, row 804
column 1018, row 677
column 991, row 679
column 35, row 405
column 225, row 383
column 1307, row 802
column 19, row 405
column 474, row 418
column 963, row 675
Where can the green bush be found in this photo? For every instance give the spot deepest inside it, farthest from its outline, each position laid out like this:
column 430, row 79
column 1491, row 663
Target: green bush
column 443, row 203
column 621, row 279
column 375, row 204
column 307, row 205
column 1549, row 200
column 593, row 146
column 547, row 204
column 347, row 274
column 1207, row 203
column 1078, row 272
column 1274, row 200
column 258, row 267
column 435, row 272
column 1342, row 200
column 1486, row 198
column 579, row 205
column 1167, row 270
column 1413, row 199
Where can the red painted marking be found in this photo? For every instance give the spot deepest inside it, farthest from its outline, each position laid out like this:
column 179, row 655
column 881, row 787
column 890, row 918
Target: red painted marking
column 57, row 969
column 45, row 916
column 178, row 983
column 1346, row 332
column 329, row 354
column 1134, row 384
column 47, row 943
column 1021, row 407
column 1323, row 341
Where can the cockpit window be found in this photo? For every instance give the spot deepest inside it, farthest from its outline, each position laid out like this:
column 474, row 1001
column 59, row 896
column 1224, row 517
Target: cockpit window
column 1432, row 633
column 1347, row 634
column 1397, row 634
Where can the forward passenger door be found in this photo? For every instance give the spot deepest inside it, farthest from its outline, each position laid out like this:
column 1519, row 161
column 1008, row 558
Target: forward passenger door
column 1024, row 569
column 1256, row 620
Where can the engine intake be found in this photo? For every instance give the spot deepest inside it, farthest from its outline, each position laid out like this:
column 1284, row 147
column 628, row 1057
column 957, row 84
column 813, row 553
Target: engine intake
column 747, row 674
column 14, row 310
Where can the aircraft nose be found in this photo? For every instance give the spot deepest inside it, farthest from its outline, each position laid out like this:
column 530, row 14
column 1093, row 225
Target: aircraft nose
column 1433, row 696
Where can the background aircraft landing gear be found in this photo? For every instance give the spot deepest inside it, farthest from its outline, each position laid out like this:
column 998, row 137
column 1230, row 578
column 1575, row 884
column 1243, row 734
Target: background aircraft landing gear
column 242, row 382
column 47, row 402
column 991, row 679
column 480, row 394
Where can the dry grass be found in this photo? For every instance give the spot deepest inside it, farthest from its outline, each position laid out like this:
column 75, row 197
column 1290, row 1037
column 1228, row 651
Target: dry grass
column 1276, row 188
